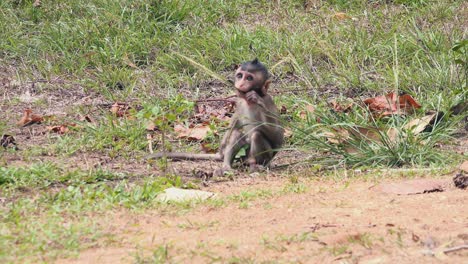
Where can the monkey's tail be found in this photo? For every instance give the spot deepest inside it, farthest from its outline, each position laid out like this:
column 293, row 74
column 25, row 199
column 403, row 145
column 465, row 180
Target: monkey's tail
column 185, row 156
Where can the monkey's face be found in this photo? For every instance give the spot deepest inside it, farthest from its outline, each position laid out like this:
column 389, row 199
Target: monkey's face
column 249, row 81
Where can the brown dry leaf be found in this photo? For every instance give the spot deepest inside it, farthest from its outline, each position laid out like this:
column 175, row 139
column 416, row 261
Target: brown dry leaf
column 129, row 62
column 337, row 136
column 7, row 140
column 413, row 186
column 29, row 118
column 120, row 109
column 37, row 3
column 303, row 115
column 367, row 133
column 206, row 111
column 62, row 129
column 341, row 106
column 341, row 16
column 151, row 126
column 150, row 138
column 309, row 109
column 87, row 118
column 383, row 103
column 283, row 110
column 407, row 101
column 207, row 148
column 196, row 133
column 287, row 133
column 392, row 104
column 392, row 134
column 418, row 125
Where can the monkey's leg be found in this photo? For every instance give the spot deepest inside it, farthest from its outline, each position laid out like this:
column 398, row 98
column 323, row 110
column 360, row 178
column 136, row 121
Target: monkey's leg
column 261, row 152
column 234, row 143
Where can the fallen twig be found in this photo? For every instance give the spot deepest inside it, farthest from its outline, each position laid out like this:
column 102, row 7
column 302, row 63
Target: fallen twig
column 226, row 99
column 457, row 248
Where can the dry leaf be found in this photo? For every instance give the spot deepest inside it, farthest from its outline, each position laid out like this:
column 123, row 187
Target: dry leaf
column 151, row 126
column 287, row 133
column 418, row 125
column 337, row 136
column 207, row 148
column 367, row 133
column 196, row 133
column 206, row 111
column 392, row 134
column 150, row 137
column 129, row 62
column 120, row 109
column 341, row 106
column 283, row 110
column 62, row 129
column 407, row 101
column 309, row 109
column 37, row 3
column 29, row 118
column 392, row 104
column 87, row 118
column 341, row 16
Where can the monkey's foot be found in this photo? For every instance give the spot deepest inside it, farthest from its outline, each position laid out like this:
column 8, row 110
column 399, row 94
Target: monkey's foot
column 257, row 168
column 221, row 172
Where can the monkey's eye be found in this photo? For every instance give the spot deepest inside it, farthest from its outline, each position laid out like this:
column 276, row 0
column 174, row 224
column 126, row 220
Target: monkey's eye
column 239, row 75
column 249, row 78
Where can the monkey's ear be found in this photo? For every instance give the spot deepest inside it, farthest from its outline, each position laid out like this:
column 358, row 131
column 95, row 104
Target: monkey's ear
column 265, row 87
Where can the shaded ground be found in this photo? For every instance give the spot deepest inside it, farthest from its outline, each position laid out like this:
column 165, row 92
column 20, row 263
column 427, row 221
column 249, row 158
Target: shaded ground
column 328, row 223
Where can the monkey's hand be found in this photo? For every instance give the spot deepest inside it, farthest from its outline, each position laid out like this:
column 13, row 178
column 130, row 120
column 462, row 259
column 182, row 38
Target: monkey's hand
column 252, row 97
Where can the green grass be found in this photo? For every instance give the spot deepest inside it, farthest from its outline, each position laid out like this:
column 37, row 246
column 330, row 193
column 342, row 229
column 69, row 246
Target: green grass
column 102, row 43
column 378, row 147
column 47, row 210
column 161, row 56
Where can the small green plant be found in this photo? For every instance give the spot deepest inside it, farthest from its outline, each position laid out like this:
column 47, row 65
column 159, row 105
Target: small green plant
column 364, row 240
column 298, row 238
column 295, row 188
column 159, row 255
column 338, row 250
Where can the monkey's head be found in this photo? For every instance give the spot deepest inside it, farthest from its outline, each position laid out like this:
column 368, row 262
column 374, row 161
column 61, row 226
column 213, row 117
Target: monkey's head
column 252, row 76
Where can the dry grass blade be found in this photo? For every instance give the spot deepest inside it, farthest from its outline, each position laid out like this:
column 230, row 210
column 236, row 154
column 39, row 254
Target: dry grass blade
column 204, row 68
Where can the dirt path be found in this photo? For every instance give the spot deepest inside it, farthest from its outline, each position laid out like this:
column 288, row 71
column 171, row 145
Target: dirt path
column 328, row 223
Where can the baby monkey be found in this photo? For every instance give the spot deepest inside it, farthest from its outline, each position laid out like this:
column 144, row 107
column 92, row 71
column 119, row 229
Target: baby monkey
column 255, row 123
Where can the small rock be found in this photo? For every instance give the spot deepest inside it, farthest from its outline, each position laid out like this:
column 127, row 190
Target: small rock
column 28, row 98
column 461, row 181
column 182, row 195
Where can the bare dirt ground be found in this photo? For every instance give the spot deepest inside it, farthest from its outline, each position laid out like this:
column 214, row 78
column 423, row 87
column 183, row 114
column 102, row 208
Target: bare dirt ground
column 332, row 222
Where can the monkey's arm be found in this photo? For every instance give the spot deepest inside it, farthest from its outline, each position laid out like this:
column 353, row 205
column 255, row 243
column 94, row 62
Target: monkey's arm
column 185, row 156
column 268, row 118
